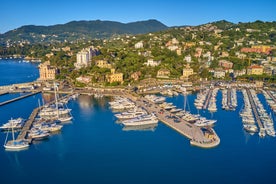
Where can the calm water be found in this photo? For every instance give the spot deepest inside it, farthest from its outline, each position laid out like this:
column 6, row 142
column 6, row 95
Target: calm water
column 16, row 71
column 94, row 149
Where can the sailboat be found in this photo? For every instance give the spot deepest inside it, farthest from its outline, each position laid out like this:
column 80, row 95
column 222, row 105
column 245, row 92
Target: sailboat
column 15, row 144
column 66, row 117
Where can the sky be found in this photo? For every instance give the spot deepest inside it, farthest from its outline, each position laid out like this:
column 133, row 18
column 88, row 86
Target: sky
column 16, row 13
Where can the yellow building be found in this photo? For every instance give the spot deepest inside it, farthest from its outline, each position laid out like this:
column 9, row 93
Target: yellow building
column 46, row 71
column 187, row 71
column 115, row 77
column 163, row 73
column 255, row 70
column 103, row 64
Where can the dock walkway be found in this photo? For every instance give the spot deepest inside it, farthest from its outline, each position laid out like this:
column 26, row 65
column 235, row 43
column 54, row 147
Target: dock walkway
column 254, row 108
column 194, row 133
column 18, row 98
column 207, row 99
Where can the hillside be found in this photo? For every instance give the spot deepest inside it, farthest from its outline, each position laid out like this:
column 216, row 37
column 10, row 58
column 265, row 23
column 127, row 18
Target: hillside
column 75, row 30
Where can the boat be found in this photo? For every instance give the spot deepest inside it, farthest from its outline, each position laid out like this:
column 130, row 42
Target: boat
column 204, row 122
column 250, row 128
column 141, row 120
column 15, row 144
column 38, row 134
column 13, row 124
column 130, row 114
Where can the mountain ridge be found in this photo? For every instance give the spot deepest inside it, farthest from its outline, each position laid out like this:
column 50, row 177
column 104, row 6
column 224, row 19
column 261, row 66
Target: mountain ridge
column 81, row 29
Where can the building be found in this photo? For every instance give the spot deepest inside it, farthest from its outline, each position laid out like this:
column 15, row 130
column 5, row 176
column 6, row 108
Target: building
column 259, row 84
column 258, row 49
column 219, row 73
column 151, row 62
column 255, row 70
column 188, row 59
column 82, row 59
column 85, row 56
column 136, row 75
column 115, row 77
column 46, row 71
column 84, row 79
column 139, row 45
column 225, row 64
column 103, row 64
column 163, row 73
column 187, row 71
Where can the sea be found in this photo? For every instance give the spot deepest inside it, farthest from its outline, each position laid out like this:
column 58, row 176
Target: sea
column 93, row 148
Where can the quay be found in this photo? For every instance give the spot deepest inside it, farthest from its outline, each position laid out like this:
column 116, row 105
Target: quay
column 229, row 103
column 271, row 96
column 255, row 112
column 201, row 137
column 18, row 98
column 3, row 93
column 208, row 99
column 27, row 126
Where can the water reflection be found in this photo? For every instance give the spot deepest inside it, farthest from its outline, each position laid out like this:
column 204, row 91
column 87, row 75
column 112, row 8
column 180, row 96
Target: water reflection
column 140, row 128
column 85, row 102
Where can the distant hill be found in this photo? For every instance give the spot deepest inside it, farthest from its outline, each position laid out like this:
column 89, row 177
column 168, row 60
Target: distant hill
column 80, row 30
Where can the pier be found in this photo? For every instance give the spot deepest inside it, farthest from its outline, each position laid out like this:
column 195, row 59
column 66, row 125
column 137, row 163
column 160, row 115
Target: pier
column 207, row 99
column 18, row 98
column 195, row 134
column 271, row 96
column 229, row 103
column 27, row 126
column 255, row 112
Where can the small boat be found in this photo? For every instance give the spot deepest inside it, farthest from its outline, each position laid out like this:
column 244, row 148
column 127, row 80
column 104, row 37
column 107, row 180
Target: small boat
column 250, row 128
column 38, row 134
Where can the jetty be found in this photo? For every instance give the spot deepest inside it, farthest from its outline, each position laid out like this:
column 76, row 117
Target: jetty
column 254, row 108
column 207, row 99
column 18, row 98
column 27, row 126
column 201, row 137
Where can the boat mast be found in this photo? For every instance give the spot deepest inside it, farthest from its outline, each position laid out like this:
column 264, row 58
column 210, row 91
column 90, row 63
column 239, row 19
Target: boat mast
column 55, row 89
column 12, row 131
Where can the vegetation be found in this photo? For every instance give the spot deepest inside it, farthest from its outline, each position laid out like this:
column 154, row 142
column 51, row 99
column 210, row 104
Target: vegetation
column 206, row 45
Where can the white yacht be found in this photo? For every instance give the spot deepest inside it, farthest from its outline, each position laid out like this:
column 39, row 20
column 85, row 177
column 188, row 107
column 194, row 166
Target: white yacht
column 15, row 144
column 141, row 120
column 130, row 114
column 13, row 124
column 204, row 122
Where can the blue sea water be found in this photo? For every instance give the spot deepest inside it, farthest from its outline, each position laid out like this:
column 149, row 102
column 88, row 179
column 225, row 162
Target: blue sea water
column 93, row 148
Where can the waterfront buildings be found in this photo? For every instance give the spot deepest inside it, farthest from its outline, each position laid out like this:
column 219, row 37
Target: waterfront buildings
column 187, row 71
column 163, row 73
column 255, row 70
column 114, row 77
column 47, row 72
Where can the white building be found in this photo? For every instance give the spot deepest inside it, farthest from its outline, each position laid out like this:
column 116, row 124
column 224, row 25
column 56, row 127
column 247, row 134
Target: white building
column 151, row 62
column 82, row 59
column 139, row 45
column 188, row 59
column 219, row 74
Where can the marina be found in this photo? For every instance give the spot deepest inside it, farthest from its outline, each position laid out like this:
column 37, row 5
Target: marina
column 94, row 137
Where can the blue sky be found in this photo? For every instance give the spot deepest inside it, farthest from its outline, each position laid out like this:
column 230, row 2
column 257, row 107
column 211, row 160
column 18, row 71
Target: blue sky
column 16, row 13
